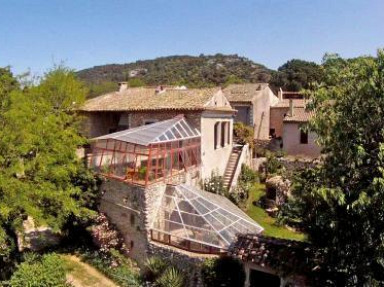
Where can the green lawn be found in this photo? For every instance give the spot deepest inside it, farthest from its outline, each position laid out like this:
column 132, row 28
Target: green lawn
column 268, row 223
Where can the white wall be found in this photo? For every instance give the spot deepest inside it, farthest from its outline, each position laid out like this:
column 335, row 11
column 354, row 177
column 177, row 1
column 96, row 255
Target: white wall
column 292, row 145
column 214, row 159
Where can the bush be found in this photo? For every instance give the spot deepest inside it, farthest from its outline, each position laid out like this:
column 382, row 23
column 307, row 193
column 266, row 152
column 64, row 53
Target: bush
column 104, row 235
column 248, row 175
column 114, row 265
column 153, row 268
column 273, row 165
column 46, row 271
column 223, row 271
column 244, row 134
column 215, row 184
column 171, row 277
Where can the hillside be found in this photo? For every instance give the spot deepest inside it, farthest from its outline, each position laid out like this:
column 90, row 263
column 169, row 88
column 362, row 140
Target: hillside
column 192, row 71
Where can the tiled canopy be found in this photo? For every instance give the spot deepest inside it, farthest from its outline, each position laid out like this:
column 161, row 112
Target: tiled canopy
column 188, row 214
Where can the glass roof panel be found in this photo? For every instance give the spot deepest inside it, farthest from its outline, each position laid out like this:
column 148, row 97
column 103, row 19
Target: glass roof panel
column 156, row 132
column 202, row 217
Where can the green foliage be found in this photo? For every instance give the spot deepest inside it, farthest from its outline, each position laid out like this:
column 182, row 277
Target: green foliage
column 114, row 265
column 247, row 178
column 273, row 165
column 171, row 277
column 223, row 271
column 153, row 268
column 46, row 271
column 215, row 184
column 194, row 72
column 243, row 134
column 341, row 202
column 39, row 169
column 296, row 75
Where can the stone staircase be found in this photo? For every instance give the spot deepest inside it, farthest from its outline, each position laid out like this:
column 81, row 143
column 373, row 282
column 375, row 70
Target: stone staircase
column 231, row 166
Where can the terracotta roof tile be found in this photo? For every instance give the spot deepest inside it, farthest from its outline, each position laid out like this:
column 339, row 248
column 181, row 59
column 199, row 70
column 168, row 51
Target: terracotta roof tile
column 289, row 255
column 140, row 99
column 296, row 102
column 243, row 92
column 299, row 115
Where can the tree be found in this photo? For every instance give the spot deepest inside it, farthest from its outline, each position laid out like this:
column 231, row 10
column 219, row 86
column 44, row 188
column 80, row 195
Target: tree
column 296, row 75
column 39, row 169
column 341, row 202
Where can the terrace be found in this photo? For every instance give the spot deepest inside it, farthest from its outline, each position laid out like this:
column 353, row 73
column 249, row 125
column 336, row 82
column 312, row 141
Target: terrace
column 159, row 152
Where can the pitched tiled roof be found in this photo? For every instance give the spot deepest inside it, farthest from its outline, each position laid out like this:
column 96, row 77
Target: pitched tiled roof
column 296, row 102
column 140, row 99
column 279, row 254
column 299, row 115
column 244, row 92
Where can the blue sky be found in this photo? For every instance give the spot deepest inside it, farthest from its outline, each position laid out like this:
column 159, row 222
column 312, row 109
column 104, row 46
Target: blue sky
column 35, row 34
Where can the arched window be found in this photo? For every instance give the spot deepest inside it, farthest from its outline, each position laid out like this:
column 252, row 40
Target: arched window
column 217, row 135
column 223, row 133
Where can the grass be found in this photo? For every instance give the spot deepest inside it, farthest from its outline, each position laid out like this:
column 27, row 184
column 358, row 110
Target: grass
column 267, row 222
column 83, row 274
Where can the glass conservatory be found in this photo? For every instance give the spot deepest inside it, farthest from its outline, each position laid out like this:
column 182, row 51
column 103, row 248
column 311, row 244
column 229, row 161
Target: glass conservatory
column 199, row 221
column 147, row 154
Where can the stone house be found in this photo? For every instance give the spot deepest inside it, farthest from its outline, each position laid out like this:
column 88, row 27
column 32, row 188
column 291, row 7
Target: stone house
column 207, row 110
column 252, row 102
column 287, row 124
column 153, row 146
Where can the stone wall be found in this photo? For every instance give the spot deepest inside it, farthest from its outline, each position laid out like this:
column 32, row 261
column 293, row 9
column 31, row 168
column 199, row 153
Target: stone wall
column 125, row 205
column 188, row 263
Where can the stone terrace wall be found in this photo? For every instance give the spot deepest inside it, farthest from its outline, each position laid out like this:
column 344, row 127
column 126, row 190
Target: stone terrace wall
column 125, row 205
column 188, row 263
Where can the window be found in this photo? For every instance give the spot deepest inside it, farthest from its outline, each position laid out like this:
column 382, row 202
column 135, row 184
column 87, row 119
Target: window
column 217, row 135
column 132, row 244
column 303, row 137
column 228, row 133
column 132, row 219
column 223, row 133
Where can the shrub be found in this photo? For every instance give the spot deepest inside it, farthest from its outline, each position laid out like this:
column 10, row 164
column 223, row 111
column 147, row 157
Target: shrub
column 223, row 271
column 46, row 271
column 215, row 184
column 244, row 134
column 114, row 265
column 248, row 175
column 273, row 165
column 153, row 268
column 171, row 277
column 104, row 234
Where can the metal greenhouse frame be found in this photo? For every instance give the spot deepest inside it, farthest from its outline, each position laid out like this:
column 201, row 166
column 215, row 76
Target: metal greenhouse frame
column 159, row 152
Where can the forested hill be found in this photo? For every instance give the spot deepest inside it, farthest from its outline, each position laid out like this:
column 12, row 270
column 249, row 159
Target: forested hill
column 201, row 71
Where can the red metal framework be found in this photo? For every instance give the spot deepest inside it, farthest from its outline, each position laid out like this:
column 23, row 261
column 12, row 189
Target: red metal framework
column 138, row 164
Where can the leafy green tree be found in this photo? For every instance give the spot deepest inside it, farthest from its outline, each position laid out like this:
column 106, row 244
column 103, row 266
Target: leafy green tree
column 341, row 202
column 39, row 169
column 296, row 75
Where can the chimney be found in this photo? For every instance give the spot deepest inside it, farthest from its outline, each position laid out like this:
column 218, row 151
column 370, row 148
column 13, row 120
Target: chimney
column 291, row 107
column 123, row 86
column 280, row 94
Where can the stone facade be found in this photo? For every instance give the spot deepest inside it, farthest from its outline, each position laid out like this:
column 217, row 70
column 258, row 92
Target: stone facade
column 189, row 263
